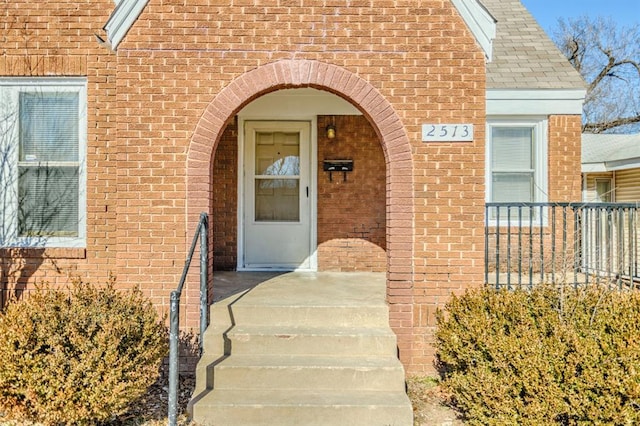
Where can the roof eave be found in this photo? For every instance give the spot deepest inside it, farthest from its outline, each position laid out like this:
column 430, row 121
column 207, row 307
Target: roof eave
column 626, row 164
column 593, row 168
column 122, row 19
column 480, row 22
column 611, row 166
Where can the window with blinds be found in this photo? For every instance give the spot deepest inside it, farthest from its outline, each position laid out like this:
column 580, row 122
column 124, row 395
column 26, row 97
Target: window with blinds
column 516, row 166
column 43, row 154
column 512, row 164
column 48, row 164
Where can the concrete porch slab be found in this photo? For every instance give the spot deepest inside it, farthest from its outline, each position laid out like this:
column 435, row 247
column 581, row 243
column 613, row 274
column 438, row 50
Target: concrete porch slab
column 302, row 288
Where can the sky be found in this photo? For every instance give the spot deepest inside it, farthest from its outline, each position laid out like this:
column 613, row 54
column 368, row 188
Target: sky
column 547, row 12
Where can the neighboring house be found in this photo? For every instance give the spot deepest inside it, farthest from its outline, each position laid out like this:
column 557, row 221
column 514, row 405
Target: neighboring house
column 115, row 140
column 611, row 174
column 610, row 168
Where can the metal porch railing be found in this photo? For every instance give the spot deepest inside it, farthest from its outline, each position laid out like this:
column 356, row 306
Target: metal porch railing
column 561, row 243
column 202, row 232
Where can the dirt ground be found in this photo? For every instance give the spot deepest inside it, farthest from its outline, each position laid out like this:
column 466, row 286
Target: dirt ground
column 430, row 403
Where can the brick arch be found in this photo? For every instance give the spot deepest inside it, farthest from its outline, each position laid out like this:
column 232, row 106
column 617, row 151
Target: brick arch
column 380, row 113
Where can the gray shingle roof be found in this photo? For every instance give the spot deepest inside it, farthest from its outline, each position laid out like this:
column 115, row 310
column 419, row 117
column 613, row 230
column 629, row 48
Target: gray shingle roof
column 603, row 148
column 524, row 57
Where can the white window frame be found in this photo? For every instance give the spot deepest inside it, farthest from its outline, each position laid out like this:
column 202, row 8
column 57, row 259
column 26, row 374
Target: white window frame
column 10, row 88
column 539, row 125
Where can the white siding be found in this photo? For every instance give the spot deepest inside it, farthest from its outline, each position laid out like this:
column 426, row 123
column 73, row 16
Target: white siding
column 628, row 185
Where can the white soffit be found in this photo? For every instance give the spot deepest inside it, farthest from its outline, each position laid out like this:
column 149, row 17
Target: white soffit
column 535, row 101
column 122, row 19
column 479, row 21
column 298, row 103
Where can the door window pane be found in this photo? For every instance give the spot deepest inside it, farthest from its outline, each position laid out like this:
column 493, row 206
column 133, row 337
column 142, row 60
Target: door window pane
column 277, row 154
column 277, row 200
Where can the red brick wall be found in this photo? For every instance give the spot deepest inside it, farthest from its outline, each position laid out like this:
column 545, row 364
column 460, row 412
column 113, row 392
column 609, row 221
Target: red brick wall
column 450, row 239
column 565, row 180
column 184, row 71
column 181, row 71
column 224, row 214
column 351, row 213
column 401, row 64
column 56, row 39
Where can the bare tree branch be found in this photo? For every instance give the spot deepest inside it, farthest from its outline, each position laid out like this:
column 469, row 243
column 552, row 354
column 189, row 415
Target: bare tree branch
column 607, row 125
column 608, row 58
column 611, row 64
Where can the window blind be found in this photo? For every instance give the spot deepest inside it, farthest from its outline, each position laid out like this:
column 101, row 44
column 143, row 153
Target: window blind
column 512, row 148
column 48, row 126
column 512, row 164
column 48, row 182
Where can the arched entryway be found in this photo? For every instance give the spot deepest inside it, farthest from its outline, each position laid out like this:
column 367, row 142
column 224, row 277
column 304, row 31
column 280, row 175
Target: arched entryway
column 287, row 74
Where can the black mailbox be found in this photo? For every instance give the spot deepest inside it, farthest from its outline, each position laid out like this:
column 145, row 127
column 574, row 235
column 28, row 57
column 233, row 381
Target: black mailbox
column 337, row 166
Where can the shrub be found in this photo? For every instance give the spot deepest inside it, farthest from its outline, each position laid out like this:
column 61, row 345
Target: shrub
column 78, row 357
column 550, row 355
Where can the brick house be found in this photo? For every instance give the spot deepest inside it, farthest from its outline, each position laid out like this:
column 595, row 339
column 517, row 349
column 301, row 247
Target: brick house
column 440, row 105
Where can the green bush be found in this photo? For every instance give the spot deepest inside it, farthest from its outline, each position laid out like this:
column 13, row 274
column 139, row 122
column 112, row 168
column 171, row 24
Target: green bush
column 78, row 357
column 546, row 356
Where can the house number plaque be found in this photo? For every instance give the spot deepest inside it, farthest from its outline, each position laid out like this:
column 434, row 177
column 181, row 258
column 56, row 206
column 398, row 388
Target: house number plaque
column 447, row 132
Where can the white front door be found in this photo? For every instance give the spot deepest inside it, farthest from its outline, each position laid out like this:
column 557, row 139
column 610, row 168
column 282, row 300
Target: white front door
column 277, row 207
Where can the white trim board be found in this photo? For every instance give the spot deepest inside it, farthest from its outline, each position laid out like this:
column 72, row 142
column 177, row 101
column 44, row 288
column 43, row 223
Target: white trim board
column 11, row 88
column 535, row 102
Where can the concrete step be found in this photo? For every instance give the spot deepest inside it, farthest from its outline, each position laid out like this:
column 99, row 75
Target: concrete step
column 297, row 340
column 310, row 408
column 309, row 372
column 302, row 349
column 335, row 315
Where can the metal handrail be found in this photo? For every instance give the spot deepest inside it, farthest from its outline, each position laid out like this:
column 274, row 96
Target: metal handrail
column 202, row 231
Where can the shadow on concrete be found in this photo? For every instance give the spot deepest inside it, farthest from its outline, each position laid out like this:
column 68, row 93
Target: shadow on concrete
column 227, row 284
